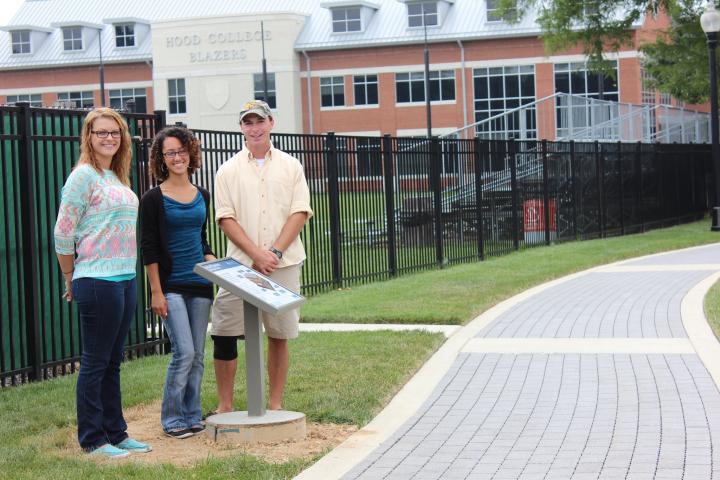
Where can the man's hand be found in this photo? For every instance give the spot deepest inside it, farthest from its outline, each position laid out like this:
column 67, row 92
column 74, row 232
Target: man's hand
column 265, row 262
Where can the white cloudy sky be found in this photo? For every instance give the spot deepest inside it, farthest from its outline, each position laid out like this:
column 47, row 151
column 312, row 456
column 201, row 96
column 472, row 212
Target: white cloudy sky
column 9, row 7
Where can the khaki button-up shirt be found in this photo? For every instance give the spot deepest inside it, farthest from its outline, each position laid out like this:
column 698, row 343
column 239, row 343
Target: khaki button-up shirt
column 261, row 199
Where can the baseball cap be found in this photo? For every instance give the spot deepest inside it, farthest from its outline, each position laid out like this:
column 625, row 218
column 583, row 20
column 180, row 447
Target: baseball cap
column 258, row 107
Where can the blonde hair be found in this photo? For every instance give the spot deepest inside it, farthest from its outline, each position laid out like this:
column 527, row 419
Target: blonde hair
column 122, row 159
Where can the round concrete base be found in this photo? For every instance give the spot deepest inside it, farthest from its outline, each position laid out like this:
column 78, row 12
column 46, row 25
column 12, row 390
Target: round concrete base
column 238, row 427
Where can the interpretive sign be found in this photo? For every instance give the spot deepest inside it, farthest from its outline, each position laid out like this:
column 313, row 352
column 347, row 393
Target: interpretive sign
column 258, row 293
column 250, row 285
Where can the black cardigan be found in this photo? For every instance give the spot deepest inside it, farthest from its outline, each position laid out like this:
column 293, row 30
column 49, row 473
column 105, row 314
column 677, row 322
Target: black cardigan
column 154, row 242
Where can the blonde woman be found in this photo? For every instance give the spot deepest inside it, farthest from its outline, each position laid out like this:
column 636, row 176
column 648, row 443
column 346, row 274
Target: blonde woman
column 96, row 248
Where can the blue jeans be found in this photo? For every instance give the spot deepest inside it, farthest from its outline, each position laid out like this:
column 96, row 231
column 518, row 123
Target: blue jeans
column 106, row 310
column 185, row 324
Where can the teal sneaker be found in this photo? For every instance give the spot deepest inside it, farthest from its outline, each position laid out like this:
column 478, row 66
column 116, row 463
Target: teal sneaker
column 133, row 446
column 109, row 451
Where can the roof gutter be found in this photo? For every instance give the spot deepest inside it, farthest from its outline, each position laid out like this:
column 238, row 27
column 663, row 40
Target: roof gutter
column 309, row 90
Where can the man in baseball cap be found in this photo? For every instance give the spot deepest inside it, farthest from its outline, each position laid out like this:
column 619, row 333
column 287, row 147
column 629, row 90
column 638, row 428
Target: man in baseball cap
column 258, row 107
column 262, row 202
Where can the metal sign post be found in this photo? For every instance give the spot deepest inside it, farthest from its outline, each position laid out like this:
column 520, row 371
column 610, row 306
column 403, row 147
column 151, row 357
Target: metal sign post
column 259, row 293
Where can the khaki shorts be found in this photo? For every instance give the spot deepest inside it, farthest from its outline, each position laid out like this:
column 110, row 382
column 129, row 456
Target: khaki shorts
column 227, row 310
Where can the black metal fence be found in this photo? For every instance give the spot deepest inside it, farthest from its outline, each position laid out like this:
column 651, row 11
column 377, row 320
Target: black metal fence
column 383, row 206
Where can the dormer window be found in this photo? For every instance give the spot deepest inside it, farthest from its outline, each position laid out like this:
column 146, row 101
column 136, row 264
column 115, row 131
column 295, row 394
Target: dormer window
column 346, row 20
column 72, row 39
column 422, row 14
column 494, row 15
column 125, row 35
column 20, row 41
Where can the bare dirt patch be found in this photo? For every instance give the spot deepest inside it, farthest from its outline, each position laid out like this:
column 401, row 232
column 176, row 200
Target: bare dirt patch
column 144, row 425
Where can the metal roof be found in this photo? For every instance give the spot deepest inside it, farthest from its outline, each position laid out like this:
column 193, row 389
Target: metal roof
column 465, row 20
column 387, row 25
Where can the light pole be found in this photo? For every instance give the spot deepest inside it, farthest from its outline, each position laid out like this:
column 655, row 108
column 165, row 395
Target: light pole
column 710, row 22
column 426, row 52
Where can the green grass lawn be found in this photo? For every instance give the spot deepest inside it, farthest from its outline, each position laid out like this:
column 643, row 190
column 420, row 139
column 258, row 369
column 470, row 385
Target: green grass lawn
column 712, row 308
column 334, row 377
column 455, row 295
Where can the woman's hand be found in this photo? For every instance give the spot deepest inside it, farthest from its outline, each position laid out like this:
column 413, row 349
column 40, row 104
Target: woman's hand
column 67, row 277
column 210, row 258
column 159, row 304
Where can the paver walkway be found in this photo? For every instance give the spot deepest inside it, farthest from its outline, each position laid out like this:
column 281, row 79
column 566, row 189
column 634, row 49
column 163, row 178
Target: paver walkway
column 592, row 377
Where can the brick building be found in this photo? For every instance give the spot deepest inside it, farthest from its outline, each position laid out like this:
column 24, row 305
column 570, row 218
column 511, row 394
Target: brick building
column 349, row 66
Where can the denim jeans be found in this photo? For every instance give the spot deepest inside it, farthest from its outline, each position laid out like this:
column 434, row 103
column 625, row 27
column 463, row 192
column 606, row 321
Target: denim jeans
column 106, row 310
column 185, row 324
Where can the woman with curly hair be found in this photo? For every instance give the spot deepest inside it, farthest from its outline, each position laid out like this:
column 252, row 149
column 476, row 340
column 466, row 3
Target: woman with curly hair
column 173, row 221
column 96, row 248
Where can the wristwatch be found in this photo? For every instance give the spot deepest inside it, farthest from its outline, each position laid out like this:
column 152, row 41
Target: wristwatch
column 277, row 252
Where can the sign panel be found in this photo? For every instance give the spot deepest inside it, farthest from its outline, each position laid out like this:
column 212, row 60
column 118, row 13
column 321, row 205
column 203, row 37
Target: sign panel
column 250, row 285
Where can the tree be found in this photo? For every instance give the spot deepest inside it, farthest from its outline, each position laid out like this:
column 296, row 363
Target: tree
column 677, row 62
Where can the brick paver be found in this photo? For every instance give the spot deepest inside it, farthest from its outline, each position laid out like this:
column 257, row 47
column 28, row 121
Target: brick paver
column 581, row 415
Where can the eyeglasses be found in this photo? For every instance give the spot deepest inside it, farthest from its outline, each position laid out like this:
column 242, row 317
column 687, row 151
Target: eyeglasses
column 172, row 154
column 105, row 133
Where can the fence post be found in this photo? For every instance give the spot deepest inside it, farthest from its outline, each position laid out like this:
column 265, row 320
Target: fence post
column 31, row 285
column 389, row 204
column 639, row 185
column 160, row 120
column 511, row 148
column 436, row 185
column 600, row 174
column 546, row 193
column 334, row 208
column 622, row 188
column 479, row 196
column 573, row 179
column 678, row 206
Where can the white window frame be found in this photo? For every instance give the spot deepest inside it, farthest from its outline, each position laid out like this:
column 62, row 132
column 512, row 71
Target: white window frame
column 333, row 83
column 177, row 97
column 83, row 97
column 493, row 15
column 125, row 94
column 72, row 37
column 258, row 92
column 20, row 40
column 512, row 125
column 423, row 15
column 127, row 39
column 362, row 82
column 435, row 76
column 341, row 21
column 35, row 99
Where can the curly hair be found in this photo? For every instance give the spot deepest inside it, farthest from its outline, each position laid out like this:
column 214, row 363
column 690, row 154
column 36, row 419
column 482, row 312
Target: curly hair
column 122, row 159
column 188, row 141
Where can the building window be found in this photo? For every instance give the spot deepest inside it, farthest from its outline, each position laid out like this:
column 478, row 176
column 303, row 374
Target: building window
column 577, row 115
column 35, row 99
column 125, row 35
column 410, row 87
column 494, row 15
column 648, row 94
column 332, row 91
column 120, row 97
column 498, row 90
column 72, row 38
column 78, row 99
column 176, row 96
column 422, row 13
column 369, row 157
column 366, row 89
column 20, row 41
column 259, row 92
column 346, row 20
